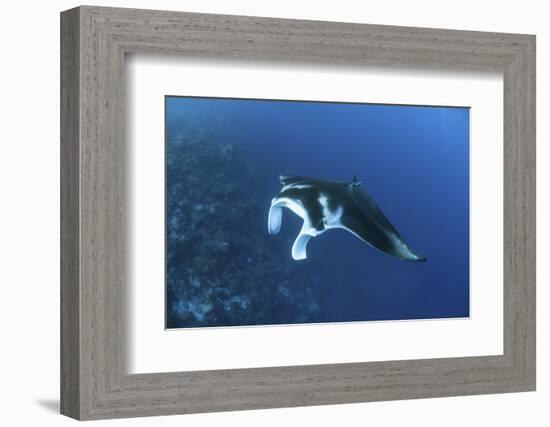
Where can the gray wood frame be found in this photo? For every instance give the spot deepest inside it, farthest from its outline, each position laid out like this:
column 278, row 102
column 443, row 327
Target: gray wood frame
column 94, row 41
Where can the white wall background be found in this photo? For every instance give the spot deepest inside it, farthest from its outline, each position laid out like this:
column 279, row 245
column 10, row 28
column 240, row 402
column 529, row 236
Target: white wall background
column 29, row 214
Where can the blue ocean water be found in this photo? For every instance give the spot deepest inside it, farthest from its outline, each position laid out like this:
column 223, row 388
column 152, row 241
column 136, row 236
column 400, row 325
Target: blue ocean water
column 224, row 158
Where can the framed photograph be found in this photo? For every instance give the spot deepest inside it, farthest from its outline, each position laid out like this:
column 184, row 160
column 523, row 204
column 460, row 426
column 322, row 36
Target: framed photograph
column 263, row 213
column 226, row 191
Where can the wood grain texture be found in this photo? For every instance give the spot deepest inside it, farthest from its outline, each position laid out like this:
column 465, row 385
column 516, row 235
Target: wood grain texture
column 70, row 315
column 94, row 236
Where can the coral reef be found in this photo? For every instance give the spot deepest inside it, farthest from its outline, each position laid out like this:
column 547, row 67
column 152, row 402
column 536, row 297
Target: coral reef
column 222, row 267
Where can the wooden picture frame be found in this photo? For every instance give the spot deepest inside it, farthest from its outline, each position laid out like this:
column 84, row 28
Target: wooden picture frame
column 94, row 382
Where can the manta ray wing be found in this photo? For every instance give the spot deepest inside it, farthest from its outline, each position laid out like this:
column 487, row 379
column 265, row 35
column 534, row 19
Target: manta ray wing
column 363, row 218
column 287, row 180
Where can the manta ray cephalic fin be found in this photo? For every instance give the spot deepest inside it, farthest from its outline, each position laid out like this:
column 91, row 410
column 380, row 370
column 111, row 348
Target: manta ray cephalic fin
column 300, row 245
column 275, row 218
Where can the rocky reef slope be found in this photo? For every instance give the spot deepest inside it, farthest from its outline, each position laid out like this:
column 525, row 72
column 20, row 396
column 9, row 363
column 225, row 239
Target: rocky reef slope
column 222, row 267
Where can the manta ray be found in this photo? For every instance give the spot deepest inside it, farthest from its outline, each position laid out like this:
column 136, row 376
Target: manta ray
column 326, row 205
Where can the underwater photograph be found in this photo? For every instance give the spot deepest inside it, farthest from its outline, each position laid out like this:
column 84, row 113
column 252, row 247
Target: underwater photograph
column 286, row 212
